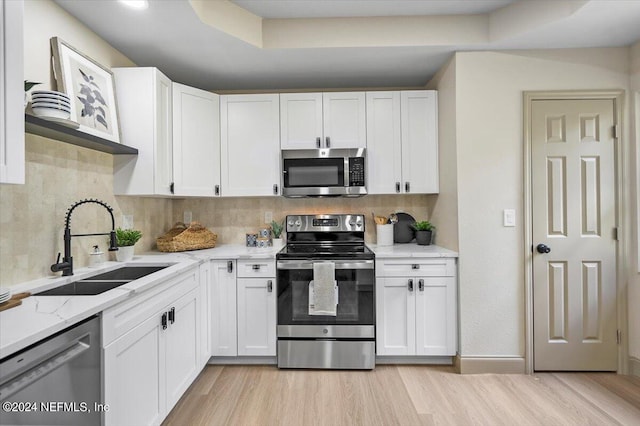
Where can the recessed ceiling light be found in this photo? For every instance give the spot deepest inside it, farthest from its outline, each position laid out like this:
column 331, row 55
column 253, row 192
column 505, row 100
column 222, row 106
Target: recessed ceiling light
column 136, row 4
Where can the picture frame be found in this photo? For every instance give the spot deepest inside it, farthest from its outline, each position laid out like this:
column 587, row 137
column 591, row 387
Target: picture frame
column 91, row 87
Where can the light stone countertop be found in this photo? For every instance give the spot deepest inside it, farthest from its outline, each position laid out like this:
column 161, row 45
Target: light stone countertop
column 41, row 316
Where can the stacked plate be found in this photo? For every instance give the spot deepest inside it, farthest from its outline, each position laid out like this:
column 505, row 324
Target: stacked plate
column 47, row 103
column 5, row 294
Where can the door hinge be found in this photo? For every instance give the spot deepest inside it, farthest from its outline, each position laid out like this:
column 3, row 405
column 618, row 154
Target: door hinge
column 615, row 234
column 615, row 131
column 618, row 337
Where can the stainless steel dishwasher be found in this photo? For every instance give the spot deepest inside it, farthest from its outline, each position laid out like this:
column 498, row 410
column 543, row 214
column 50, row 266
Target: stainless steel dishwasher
column 56, row 381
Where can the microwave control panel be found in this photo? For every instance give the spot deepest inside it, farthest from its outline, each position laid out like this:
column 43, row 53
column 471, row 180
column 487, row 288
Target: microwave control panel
column 356, row 171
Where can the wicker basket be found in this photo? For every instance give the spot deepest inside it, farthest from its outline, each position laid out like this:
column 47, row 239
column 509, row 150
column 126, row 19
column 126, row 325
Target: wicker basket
column 183, row 238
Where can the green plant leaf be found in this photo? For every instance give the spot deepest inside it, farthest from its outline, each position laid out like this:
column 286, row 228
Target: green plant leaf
column 127, row 237
column 28, row 85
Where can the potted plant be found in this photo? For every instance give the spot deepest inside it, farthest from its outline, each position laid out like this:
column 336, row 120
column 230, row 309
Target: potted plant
column 276, row 230
column 424, row 232
column 126, row 239
column 28, row 85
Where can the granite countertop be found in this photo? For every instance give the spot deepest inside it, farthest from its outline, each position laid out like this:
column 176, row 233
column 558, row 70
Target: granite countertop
column 41, row 316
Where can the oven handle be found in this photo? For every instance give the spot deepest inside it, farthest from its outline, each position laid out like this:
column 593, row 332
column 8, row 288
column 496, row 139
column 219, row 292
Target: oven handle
column 339, row 264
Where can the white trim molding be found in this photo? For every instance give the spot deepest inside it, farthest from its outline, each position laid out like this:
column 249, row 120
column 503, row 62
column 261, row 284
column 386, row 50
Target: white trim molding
column 634, row 366
column 490, row 365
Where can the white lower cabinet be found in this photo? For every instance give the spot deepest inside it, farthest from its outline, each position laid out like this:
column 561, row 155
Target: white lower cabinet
column 416, row 307
column 151, row 351
column 243, row 308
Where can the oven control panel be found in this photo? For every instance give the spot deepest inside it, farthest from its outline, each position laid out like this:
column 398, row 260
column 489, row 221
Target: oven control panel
column 325, row 223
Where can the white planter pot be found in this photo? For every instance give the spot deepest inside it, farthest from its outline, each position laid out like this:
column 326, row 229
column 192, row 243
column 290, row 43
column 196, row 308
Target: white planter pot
column 278, row 243
column 124, row 254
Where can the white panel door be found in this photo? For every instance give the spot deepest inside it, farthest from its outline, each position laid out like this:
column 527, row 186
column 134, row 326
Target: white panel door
column 395, row 316
column 134, row 379
column 181, row 345
column 196, row 141
column 384, row 149
column 574, row 284
column 223, row 308
column 436, row 316
column 344, row 115
column 250, row 139
column 419, row 115
column 301, row 120
column 256, row 317
column 12, row 163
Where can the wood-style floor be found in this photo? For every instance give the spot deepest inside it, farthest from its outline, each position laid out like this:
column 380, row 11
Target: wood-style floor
column 405, row 395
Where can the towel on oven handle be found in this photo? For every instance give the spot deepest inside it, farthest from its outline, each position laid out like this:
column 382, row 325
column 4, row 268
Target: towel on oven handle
column 323, row 290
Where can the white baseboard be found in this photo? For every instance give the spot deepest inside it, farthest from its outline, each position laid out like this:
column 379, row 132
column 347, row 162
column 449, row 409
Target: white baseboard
column 243, row 360
column 634, row 366
column 490, row 365
column 435, row 360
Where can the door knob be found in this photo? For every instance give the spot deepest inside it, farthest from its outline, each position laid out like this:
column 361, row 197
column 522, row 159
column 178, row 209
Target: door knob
column 543, row 248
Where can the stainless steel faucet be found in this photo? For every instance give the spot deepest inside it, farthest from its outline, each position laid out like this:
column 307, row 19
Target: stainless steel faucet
column 66, row 266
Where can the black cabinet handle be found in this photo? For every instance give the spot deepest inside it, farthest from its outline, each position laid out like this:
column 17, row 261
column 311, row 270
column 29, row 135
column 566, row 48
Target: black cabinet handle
column 163, row 321
column 410, row 285
column 217, row 190
column 328, row 140
column 230, row 266
column 407, row 187
column 171, row 187
column 270, row 286
column 275, row 189
column 415, row 266
column 256, row 267
column 172, row 315
column 318, row 142
column 398, row 187
column 421, row 285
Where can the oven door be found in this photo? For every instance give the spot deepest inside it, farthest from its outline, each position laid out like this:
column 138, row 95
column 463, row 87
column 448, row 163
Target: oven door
column 355, row 314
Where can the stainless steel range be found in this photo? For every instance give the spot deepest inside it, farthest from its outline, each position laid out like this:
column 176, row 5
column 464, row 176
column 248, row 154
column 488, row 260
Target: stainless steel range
column 326, row 296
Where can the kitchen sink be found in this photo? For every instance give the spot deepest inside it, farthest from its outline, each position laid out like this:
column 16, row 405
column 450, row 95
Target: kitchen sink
column 102, row 282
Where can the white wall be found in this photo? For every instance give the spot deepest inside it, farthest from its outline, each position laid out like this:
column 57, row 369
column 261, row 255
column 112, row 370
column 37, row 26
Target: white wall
column 634, row 264
column 489, row 87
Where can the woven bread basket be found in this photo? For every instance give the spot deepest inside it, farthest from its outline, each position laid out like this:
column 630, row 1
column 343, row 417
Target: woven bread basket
column 183, row 238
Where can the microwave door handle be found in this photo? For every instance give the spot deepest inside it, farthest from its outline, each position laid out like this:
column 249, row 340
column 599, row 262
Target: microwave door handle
column 328, row 142
column 318, row 142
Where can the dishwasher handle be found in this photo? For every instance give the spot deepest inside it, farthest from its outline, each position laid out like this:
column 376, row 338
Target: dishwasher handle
column 78, row 346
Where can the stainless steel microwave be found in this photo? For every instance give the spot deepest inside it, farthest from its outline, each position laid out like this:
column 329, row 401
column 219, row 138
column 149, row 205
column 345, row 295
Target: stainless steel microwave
column 323, row 172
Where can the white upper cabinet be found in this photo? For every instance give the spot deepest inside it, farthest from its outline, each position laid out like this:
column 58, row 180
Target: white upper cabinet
column 12, row 94
column 402, row 141
column 250, row 145
column 196, row 141
column 144, row 105
column 322, row 120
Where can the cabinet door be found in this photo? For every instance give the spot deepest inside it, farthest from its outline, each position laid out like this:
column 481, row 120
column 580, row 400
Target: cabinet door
column 301, row 121
column 181, row 346
column 435, row 316
column 250, row 138
column 12, row 164
column 395, row 312
column 419, row 117
column 134, row 379
column 223, row 309
column 145, row 109
column 384, row 151
column 256, row 317
column 344, row 120
column 196, row 141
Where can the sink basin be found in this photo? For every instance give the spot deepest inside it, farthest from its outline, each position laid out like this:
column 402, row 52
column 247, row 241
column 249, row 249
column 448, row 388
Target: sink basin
column 102, row 282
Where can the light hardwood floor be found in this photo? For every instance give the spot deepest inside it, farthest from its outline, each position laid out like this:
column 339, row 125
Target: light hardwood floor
column 404, row 395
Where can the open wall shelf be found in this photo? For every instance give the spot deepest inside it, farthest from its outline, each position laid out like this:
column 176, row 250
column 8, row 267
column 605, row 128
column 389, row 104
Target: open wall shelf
column 49, row 129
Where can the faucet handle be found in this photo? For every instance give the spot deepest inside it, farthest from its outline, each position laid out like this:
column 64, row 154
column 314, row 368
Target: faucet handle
column 58, row 259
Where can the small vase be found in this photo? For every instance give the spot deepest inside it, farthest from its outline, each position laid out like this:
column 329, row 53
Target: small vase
column 124, row 254
column 423, row 238
column 278, row 243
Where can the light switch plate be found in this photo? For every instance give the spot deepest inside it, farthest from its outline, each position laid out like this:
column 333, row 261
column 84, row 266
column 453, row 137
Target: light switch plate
column 268, row 217
column 187, row 217
column 127, row 221
column 509, row 217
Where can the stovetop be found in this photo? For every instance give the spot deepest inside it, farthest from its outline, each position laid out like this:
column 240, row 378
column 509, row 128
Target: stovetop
column 325, row 251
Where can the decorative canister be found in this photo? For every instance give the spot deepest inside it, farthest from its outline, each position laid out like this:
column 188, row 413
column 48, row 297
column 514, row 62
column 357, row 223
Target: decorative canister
column 251, row 240
column 265, row 233
column 263, row 242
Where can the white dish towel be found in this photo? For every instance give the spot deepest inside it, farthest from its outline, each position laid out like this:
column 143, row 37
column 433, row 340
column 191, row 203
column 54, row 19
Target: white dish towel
column 323, row 290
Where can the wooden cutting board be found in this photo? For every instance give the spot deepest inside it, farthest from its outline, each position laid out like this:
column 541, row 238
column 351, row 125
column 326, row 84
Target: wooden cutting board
column 16, row 300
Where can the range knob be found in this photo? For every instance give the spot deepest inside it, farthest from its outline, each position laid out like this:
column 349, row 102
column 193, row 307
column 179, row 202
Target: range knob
column 290, row 223
column 298, row 223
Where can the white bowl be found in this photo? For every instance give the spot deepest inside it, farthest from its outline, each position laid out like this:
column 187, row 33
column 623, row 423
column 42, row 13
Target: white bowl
column 56, row 107
column 51, row 112
column 49, row 93
column 51, row 103
column 50, row 99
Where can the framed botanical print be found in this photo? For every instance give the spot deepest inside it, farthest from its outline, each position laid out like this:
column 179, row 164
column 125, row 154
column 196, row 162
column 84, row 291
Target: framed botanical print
column 91, row 88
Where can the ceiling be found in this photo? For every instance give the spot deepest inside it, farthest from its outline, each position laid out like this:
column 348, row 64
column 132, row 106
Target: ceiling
column 293, row 44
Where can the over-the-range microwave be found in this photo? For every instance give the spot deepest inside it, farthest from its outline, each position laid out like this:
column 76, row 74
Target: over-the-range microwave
column 323, row 172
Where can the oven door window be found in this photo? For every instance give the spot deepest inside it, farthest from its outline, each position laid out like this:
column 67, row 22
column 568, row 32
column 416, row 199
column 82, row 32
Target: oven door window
column 313, row 172
column 355, row 298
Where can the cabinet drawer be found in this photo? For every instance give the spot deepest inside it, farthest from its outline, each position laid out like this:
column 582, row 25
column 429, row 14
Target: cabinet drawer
column 256, row 268
column 127, row 315
column 440, row 267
